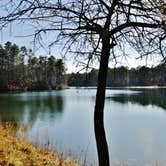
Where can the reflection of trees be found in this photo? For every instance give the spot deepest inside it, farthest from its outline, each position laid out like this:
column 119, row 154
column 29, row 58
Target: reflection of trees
column 14, row 107
column 10, row 110
column 44, row 104
column 147, row 97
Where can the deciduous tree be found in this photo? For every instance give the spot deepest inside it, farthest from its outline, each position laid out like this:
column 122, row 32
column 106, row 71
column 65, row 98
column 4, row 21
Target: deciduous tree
column 95, row 29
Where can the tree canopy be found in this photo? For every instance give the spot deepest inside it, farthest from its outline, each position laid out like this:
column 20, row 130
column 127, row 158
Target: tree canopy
column 20, row 69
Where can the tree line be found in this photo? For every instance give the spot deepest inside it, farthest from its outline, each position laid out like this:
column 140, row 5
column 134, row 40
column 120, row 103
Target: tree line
column 20, row 69
column 122, row 76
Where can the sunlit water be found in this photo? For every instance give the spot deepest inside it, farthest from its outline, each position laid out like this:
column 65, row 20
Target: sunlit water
column 135, row 121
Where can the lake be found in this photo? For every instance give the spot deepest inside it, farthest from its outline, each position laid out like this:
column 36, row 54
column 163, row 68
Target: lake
column 135, row 122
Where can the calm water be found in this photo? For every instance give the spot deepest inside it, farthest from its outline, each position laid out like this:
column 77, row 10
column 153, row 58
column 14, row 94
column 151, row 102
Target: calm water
column 135, row 121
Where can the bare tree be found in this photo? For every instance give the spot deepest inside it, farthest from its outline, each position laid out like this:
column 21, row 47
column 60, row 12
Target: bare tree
column 95, row 30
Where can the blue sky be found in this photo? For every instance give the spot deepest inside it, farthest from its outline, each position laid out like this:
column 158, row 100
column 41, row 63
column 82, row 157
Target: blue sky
column 15, row 32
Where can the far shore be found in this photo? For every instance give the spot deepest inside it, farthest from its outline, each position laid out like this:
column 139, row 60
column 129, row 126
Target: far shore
column 18, row 89
column 124, row 87
column 79, row 87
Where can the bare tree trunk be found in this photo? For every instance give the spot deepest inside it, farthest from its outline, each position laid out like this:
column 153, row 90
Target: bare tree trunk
column 102, row 147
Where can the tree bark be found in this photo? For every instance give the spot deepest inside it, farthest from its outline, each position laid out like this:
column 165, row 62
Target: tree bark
column 101, row 142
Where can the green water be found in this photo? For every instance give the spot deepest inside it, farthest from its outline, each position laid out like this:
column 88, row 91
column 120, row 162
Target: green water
column 135, row 121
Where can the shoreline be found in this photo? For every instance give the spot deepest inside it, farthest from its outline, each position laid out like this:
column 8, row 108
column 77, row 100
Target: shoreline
column 18, row 151
column 82, row 87
column 122, row 87
column 17, row 90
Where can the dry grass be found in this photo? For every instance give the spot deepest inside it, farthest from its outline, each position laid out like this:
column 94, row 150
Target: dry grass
column 16, row 151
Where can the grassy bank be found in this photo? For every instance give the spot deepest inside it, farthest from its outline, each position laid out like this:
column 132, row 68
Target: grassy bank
column 16, row 151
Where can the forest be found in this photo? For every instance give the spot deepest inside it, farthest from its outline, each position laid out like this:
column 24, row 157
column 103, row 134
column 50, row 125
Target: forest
column 122, row 76
column 21, row 70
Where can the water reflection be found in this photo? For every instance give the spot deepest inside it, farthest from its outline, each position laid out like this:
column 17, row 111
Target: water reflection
column 17, row 108
column 156, row 97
